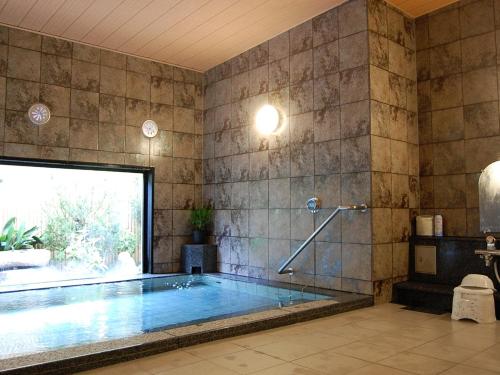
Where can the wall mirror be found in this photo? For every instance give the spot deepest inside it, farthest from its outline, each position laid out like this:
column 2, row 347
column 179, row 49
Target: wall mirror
column 489, row 198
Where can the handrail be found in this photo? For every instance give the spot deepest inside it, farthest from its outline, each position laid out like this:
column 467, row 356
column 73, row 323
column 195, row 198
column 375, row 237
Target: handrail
column 357, row 207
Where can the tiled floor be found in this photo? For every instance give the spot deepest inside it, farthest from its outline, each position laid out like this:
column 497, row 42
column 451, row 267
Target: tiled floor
column 378, row 340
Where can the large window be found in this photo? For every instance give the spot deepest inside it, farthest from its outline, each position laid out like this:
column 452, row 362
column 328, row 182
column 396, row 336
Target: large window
column 66, row 223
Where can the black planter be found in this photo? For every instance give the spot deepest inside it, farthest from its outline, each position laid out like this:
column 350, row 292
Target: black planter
column 198, row 237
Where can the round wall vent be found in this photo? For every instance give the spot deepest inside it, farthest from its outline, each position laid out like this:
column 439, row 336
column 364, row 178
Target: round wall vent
column 150, row 128
column 39, row 114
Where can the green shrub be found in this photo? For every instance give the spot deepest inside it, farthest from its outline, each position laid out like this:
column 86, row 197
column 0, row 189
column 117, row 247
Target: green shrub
column 201, row 218
column 84, row 250
column 13, row 238
column 87, row 230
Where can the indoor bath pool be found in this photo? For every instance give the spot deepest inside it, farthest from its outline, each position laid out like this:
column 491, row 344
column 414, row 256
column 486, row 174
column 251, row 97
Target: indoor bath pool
column 49, row 319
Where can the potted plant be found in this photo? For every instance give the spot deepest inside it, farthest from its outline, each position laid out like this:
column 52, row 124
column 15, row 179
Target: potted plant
column 200, row 220
column 21, row 248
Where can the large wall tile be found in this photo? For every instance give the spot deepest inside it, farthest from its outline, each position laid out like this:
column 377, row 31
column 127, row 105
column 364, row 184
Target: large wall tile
column 353, row 51
column 279, row 191
column 85, row 76
column 356, row 154
column 356, row 261
column 326, row 92
column 279, row 47
column 18, row 129
column 301, row 189
column 325, row 27
column 356, row 188
column 448, row 125
column 23, row 64
column 328, row 259
column 83, row 134
column 55, row 132
column 84, row 105
column 446, row 92
column 477, row 18
column 21, row 94
column 113, row 81
column 57, row 46
column 480, row 86
column 479, row 51
column 353, row 17
column 481, row 120
column 25, row 39
column 377, row 16
column 56, row 70
column 57, row 98
column 301, row 37
column 444, row 27
column 354, row 85
column 86, row 53
column 379, row 50
column 445, row 59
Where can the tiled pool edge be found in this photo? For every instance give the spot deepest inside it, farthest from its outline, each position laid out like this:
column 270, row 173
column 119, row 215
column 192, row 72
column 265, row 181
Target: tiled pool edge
column 73, row 360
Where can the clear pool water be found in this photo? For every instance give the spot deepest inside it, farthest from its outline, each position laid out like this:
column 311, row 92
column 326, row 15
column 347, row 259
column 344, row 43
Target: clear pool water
column 48, row 319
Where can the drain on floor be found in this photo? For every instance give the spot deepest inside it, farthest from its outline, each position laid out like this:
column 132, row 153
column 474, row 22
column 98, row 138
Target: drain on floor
column 428, row 310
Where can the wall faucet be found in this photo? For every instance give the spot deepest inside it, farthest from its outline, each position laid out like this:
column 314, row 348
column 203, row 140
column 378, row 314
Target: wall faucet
column 490, row 251
column 489, row 254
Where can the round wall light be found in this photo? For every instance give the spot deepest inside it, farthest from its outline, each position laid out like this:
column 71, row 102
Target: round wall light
column 267, row 119
column 39, row 114
column 149, row 128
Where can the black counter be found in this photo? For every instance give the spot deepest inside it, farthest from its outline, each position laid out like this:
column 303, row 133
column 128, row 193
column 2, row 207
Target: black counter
column 455, row 259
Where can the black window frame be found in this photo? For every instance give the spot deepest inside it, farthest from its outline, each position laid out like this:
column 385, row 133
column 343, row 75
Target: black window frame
column 148, row 192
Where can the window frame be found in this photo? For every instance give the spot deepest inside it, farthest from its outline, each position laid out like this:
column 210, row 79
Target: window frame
column 148, row 192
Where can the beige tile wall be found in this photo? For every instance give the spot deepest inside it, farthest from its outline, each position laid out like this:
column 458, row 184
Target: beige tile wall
column 459, row 131
column 98, row 101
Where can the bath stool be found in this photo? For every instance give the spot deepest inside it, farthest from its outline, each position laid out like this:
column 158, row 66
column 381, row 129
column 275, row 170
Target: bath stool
column 473, row 299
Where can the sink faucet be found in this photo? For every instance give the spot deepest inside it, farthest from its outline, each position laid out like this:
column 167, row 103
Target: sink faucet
column 490, row 251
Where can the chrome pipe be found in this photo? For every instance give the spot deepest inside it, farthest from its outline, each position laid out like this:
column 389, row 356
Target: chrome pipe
column 356, row 207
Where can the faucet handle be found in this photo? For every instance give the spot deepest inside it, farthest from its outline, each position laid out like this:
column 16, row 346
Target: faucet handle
column 490, row 242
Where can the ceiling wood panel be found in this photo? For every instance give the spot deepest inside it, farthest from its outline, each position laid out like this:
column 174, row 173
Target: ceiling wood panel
column 238, row 9
column 416, row 8
column 244, row 21
column 91, row 17
column 14, row 11
column 270, row 23
column 157, row 10
column 253, row 33
column 39, row 14
column 197, row 34
column 65, row 15
column 123, row 13
column 160, row 37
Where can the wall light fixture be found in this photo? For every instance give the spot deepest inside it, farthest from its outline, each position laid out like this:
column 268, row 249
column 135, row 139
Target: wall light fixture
column 267, row 119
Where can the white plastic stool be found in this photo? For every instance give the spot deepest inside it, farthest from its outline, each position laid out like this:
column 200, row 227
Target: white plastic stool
column 473, row 299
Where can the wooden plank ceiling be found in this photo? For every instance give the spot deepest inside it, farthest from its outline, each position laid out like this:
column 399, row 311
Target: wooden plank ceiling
column 416, row 8
column 196, row 34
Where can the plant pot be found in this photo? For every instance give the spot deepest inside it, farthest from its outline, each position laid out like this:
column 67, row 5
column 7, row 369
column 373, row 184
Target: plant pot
column 27, row 258
column 198, row 237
